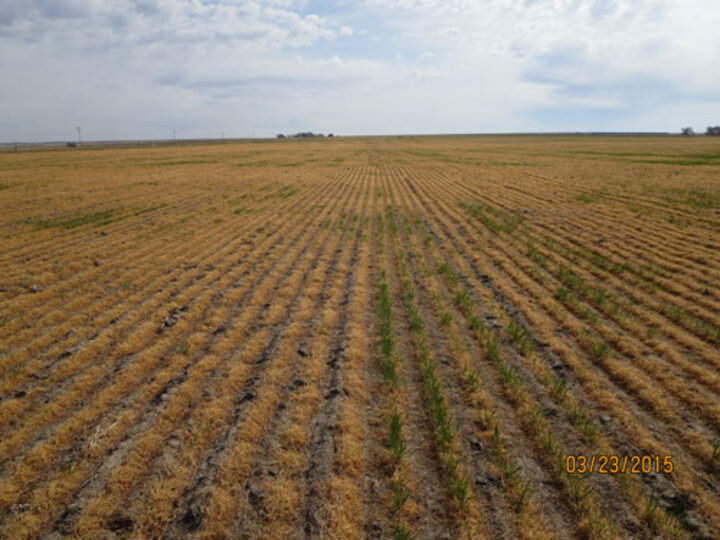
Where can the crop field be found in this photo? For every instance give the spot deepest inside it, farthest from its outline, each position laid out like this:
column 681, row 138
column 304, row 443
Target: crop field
column 401, row 337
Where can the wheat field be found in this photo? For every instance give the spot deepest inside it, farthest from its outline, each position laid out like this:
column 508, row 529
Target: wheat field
column 399, row 337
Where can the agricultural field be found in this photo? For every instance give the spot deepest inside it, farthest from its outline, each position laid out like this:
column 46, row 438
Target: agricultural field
column 400, row 337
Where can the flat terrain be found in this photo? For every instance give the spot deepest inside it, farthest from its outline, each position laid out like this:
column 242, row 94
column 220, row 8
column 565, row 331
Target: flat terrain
column 344, row 338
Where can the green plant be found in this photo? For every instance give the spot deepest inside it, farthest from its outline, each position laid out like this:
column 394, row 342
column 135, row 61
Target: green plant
column 562, row 294
column 519, row 335
column 454, row 482
column 559, row 387
column 523, row 497
column 395, row 440
column 588, row 428
column 401, row 494
column 400, row 532
column 493, row 349
column 448, row 273
column 535, row 256
column 497, row 441
column 596, row 347
column 463, row 299
column 471, row 380
column 579, row 491
column 386, row 334
column 476, row 323
column 652, row 504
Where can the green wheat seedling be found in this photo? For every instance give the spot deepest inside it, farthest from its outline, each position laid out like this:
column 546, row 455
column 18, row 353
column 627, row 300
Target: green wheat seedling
column 595, row 346
column 391, row 220
column 579, row 490
column 565, row 296
column 401, row 494
column 519, row 335
column 497, row 444
column 454, row 482
column 401, row 532
column 559, row 388
column 551, row 447
column 715, row 457
column 660, row 520
column 446, row 271
column 434, row 398
column 535, row 256
column 478, row 211
column 471, row 380
column 386, row 333
column 652, row 505
column 487, row 418
column 493, row 349
column 476, row 324
column 523, row 497
column 463, row 300
column 395, row 440
column 407, row 224
column 587, row 427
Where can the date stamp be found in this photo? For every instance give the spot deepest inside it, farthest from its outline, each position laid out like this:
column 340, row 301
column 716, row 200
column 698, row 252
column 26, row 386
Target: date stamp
column 611, row 464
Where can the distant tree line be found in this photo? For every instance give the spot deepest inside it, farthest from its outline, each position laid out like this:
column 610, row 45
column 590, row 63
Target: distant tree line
column 712, row 131
column 302, row 135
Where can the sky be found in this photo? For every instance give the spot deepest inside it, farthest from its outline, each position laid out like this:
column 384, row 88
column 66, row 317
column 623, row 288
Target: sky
column 141, row 69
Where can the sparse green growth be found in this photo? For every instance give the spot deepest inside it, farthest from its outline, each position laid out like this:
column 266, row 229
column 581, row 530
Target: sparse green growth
column 446, row 271
column 503, row 221
column 523, row 497
column 386, row 334
column 401, row 494
column 395, row 441
column 535, row 256
column 519, row 334
column 588, row 198
column 559, row 387
column 595, row 346
column 78, row 219
column 715, row 450
column 401, row 532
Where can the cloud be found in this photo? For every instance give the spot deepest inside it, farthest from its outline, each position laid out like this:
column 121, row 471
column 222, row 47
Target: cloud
column 141, row 68
column 127, row 23
column 611, row 55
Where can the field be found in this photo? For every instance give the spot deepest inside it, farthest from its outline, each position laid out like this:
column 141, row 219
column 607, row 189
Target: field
column 402, row 337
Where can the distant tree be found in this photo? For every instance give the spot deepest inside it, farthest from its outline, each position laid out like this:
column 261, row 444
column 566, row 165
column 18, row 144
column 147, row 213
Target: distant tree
column 330, row 135
column 687, row 131
column 280, row 136
column 713, row 131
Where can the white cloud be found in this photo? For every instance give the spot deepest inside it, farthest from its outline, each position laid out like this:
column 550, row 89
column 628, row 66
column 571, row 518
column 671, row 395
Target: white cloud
column 141, row 68
column 121, row 22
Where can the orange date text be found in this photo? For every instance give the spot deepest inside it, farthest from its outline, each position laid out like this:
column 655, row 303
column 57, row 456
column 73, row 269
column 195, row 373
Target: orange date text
column 611, row 464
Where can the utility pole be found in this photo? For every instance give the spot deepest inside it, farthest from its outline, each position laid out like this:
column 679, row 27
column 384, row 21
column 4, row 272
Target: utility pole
column 174, row 135
column 79, row 136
